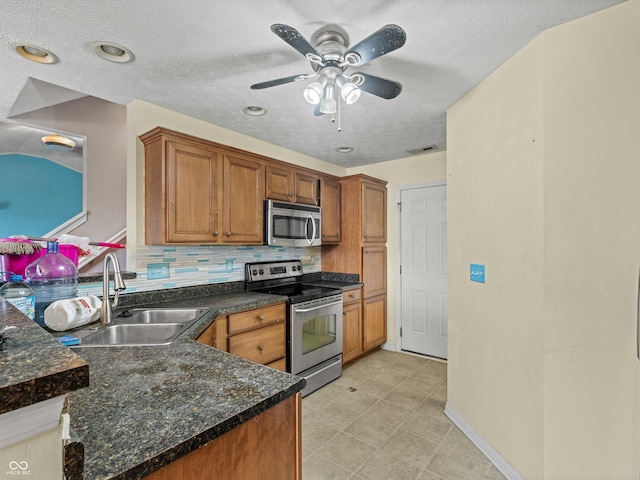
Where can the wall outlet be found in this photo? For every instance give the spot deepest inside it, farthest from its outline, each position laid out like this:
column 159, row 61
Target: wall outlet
column 157, row 270
column 477, row 273
column 229, row 265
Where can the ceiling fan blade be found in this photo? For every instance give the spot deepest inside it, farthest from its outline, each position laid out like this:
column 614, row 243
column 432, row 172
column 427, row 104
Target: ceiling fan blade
column 279, row 81
column 380, row 87
column 294, row 38
column 385, row 40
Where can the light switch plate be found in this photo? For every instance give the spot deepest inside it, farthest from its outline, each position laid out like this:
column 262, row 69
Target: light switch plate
column 477, row 273
column 157, row 270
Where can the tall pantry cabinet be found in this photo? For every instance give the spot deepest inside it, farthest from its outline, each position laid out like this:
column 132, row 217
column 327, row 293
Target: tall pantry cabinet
column 363, row 251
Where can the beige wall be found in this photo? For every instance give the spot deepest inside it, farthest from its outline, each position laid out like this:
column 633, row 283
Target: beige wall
column 494, row 215
column 421, row 169
column 543, row 177
column 592, row 246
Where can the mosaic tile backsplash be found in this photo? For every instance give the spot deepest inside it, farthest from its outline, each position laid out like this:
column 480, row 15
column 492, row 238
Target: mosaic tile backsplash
column 203, row 264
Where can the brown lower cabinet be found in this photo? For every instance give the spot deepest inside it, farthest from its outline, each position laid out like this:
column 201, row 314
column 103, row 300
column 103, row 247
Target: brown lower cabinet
column 266, row 447
column 352, row 333
column 258, row 335
column 375, row 321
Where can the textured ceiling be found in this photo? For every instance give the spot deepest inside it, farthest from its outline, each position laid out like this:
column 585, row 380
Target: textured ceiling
column 199, row 57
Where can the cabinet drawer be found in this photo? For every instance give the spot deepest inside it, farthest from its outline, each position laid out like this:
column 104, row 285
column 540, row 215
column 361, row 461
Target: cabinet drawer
column 260, row 317
column 353, row 295
column 263, row 345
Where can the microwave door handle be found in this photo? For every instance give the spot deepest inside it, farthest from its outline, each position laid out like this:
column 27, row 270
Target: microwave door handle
column 313, row 234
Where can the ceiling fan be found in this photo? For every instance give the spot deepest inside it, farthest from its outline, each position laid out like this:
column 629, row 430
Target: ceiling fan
column 330, row 59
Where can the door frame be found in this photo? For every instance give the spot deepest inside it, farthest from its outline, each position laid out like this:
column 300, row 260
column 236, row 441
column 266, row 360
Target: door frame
column 399, row 190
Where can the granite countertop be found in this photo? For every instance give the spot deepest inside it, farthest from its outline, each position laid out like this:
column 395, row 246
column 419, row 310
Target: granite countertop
column 34, row 367
column 148, row 406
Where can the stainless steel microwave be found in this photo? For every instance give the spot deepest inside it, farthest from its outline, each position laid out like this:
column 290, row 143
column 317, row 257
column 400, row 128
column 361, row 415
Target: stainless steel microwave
column 292, row 224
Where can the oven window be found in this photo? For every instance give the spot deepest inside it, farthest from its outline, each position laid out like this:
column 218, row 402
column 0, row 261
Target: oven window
column 294, row 227
column 318, row 332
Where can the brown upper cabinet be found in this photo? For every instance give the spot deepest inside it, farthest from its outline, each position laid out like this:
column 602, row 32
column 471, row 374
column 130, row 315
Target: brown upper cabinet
column 330, row 203
column 200, row 192
column 291, row 185
column 374, row 212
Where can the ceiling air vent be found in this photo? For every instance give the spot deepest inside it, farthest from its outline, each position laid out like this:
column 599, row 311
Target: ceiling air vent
column 418, row 151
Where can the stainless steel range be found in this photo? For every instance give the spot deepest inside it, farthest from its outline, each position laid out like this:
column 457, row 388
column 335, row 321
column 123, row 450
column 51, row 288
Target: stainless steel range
column 314, row 320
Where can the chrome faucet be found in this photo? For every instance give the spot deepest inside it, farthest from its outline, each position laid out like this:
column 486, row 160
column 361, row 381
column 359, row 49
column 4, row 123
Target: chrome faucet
column 118, row 286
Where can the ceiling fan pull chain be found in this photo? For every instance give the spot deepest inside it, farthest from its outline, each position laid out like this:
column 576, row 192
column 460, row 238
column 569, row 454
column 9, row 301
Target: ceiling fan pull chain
column 339, row 113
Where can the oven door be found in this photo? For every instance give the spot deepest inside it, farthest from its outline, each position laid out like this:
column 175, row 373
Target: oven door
column 315, row 332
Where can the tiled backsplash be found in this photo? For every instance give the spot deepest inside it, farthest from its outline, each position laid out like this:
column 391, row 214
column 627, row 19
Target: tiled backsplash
column 203, row 264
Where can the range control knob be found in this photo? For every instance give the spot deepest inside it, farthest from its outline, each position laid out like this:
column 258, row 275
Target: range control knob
column 261, row 271
column 254, row 272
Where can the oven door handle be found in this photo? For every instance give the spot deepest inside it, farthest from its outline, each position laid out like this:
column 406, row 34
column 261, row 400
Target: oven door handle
column 316, row 307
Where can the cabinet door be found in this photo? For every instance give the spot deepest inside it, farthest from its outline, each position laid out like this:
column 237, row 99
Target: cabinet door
column 351, row 331
column 306, row 188
column 374, row 321
column 374, row 271
column 330, row 203
column 374, row 213
column 193, row 176
column 279, row 183
column 242, row 199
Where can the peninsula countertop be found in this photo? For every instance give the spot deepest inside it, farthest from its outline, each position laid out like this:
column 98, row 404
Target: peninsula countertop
column 148, row 406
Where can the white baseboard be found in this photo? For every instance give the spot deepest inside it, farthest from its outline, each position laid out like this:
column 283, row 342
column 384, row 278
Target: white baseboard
column 501, row 463
column 389, row 346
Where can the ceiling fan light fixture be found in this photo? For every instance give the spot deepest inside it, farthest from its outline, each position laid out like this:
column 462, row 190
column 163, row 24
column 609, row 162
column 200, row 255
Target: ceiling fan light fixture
column 328, row 102
column 313, row 93
column 350, row 93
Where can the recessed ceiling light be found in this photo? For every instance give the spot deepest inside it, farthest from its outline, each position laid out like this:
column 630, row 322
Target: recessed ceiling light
column 112, row 52
column 254, row 110
column 58, row 142
column 344, row 149
column 36, row 54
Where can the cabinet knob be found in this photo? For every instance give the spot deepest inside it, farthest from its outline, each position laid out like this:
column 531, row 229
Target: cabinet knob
column 228, row 233
column 297, row 195
column 260, row 317
column 260, row 347
column 366, row 236
column 290, row 194
column 351, row 295
column 215, row 234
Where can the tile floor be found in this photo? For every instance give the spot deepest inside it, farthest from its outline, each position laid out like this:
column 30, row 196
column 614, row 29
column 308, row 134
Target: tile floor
column 383, row 420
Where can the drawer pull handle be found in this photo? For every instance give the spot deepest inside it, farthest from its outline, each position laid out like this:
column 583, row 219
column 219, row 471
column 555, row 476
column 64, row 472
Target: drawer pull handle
column 260, row 347
column 260, row 317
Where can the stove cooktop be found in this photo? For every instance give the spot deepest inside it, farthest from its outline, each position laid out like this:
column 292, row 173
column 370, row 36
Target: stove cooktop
column 284, row 277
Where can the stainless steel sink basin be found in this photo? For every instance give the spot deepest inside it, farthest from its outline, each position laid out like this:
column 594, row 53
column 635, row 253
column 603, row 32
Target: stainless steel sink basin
column 134, row 335
column 158, row 315
column 142, row 326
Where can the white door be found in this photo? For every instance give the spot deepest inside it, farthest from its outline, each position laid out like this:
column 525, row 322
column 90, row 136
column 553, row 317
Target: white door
column 423, row 279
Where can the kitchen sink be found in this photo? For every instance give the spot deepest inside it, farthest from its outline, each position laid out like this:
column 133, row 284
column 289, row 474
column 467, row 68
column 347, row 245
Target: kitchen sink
column 159, row 315
column 140, row 327
column 133, row 335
